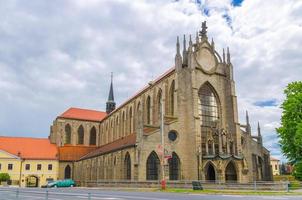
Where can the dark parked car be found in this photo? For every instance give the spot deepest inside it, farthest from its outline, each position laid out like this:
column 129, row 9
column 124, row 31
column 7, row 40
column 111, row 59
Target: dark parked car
column 60, row 183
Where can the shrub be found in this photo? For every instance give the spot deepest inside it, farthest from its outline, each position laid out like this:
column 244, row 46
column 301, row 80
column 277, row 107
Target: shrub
column 4, row 177
column 298, row 170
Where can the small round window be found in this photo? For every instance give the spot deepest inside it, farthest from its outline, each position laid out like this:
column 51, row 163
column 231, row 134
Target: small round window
column 172, row 135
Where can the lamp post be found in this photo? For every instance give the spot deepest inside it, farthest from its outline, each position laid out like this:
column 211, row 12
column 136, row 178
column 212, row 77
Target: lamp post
column 163, row 181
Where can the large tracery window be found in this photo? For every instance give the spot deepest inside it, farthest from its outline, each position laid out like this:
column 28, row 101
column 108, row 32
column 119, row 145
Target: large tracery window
column 148, row 110
column 67, row 134
column 81, row 135
column 127, row 164
column 174, row 167
column 92, row 139
column 153, row 167
column 209, row 106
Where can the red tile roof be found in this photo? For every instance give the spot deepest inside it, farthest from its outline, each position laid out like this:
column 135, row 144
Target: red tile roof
column 73, row 153
column 83, row 114
column 127, row 141
column 29, row 148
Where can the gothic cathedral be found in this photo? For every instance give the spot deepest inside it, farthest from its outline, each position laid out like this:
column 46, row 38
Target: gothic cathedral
column 182, row 126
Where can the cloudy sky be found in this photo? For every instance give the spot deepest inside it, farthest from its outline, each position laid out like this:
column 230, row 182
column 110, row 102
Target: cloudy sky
column 57, row 54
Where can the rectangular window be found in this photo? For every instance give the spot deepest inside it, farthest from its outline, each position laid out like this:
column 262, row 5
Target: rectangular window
column 27, row 167
column 50, row 167
column 39, row 166
column 10, row 167
column 275, row 167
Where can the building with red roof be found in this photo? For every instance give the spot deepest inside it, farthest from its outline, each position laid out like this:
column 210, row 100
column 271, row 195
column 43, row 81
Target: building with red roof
column 29, row 161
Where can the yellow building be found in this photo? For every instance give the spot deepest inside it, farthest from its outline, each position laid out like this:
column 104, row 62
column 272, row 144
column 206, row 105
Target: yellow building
column 275, row 166
column 30, row 162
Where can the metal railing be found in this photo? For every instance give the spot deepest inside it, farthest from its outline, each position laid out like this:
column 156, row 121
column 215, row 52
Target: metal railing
column 18, row 193
column 187, row 184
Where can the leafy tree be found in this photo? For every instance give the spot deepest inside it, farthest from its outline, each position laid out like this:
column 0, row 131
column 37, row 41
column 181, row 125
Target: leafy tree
column 4, row 177
column 290, row 132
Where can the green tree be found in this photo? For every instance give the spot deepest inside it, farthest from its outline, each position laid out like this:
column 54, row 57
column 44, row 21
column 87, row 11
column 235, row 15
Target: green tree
column 290, row 131
column 4, row 177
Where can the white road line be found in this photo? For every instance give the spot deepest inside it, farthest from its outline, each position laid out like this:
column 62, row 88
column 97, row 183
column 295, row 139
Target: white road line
column 229, row 195
column 275, row 198
column 32, row 197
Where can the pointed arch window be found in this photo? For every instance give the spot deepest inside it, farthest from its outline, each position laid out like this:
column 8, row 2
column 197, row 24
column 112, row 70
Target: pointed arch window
column 127, row 165
column 117, row 127
column 159, row 105
column 112, row 138
column 148, row 110
column 67, row 134
column 92, row 139
column 124, row 124
column 80, row 135
column 174, row 167
column 171, row 98
column 152, row 167
column 130, row 120
column 209, row 106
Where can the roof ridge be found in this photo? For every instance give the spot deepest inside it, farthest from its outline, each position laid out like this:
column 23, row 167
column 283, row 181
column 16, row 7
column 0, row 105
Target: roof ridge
column 3, row 136
column 156, row 80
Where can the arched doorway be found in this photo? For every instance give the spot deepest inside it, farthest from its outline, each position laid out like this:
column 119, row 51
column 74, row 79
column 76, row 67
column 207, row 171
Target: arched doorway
column 210, row 172
column 174, row 167
column 230, row 172
column 127, row 164
column 32, row 181
column 67, row 172
column 152, row 167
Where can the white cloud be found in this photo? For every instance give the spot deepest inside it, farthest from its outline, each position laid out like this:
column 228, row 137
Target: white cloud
column 53, row 57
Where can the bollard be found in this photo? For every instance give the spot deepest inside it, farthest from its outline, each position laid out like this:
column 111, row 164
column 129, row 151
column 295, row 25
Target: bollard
column 255, row 185
column 89, row 196
column 17, row 193
column 46, row 197
column 287, row 186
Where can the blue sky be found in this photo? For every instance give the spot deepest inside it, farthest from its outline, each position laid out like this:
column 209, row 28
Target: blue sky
column 57, row 54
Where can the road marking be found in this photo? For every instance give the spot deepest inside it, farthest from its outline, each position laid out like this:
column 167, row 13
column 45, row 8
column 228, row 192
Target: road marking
column 281, row 198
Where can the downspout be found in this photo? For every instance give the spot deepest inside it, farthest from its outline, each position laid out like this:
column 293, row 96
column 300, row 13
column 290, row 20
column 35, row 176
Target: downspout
column 19, row 155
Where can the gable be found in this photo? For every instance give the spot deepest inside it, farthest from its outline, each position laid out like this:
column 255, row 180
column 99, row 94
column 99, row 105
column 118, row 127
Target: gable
column 6, row 155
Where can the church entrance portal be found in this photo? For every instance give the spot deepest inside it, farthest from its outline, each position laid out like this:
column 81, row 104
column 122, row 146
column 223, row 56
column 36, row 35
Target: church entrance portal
column 210, row 173
column 230, row 172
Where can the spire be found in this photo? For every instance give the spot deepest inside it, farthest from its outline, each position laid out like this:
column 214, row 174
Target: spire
column 203, row 32
column 185, row 43
column 110, row 104
column 228, row 56
column 190, row 44
column 248, row 126
column 177, row 46
column 111, row 96
column 259, row 134
column 197, row 38
column 223, row 56
column 258, row 129
column 178, row 58
column 184, row 53
column 213, row 44
column 247, row 118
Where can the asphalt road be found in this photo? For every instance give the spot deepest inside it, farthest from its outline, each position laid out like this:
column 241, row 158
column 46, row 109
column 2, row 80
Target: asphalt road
column 98, row 194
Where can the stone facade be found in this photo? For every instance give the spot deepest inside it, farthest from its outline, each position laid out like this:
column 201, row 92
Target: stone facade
column 194, row 105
